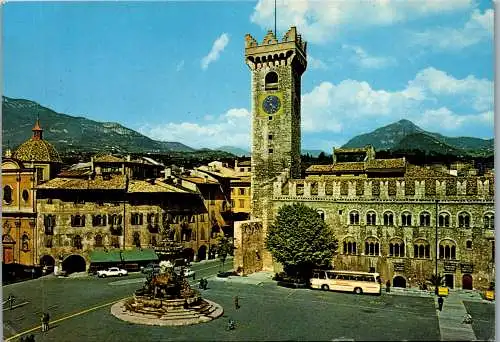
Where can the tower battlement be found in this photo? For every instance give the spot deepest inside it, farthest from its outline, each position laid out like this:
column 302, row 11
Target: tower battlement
column 271, row 50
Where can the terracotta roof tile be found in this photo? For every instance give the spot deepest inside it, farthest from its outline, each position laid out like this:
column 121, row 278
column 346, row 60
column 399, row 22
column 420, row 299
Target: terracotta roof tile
column 319, row 168
column 145, row 186
column 108, row 159
column 116, row 182
column 393, row 163
column 349, row 166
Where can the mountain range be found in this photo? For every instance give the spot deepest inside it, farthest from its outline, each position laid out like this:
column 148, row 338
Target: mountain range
column 404, row 135
column 73, row 134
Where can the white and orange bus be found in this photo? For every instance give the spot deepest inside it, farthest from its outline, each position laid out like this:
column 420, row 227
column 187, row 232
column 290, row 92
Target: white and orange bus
column 346, row 281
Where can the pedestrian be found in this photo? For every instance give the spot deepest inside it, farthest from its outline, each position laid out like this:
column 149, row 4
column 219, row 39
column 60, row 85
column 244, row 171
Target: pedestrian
column 440, row 303
column 205, row 284
column 202, row 282
column 236, row 302
column 388, row 286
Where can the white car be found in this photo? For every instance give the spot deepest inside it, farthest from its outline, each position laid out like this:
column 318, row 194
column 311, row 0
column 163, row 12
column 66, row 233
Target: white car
column 188, row 273
column 112, row 272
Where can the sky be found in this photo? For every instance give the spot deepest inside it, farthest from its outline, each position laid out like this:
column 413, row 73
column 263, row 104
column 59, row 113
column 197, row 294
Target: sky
column 175, row 71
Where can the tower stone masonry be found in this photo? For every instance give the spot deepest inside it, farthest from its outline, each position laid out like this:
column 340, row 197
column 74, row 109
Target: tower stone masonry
column 276, row 68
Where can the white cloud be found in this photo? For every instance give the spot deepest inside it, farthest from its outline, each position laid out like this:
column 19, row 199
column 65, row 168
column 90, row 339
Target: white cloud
column 352, row 107
column 218, row 46
column 320, row 20
column 478, row 28
column 314, row 63
column 179, row 66
column 477, row 93
column 362, row 59
column 231, row 128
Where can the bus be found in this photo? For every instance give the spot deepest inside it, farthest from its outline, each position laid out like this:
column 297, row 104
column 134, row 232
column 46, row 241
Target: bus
column 346, row 281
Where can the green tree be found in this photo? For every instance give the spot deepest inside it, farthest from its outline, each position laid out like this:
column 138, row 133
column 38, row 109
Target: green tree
column 224, row 247
column 301, row 240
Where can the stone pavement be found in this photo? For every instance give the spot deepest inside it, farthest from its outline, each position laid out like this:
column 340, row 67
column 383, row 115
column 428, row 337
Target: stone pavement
column 451, row 318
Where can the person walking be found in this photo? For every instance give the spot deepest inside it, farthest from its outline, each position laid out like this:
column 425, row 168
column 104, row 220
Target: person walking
column 440, row 303
column 388, row 286
column 45, row 322
column 236, row 302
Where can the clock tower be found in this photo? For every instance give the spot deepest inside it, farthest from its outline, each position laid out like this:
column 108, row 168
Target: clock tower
column 276, row 68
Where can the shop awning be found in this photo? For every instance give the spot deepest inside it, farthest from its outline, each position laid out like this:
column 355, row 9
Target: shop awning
column 105, row 256
column 139, row 255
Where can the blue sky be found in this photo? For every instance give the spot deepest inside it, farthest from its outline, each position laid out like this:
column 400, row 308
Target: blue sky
column 175, row 71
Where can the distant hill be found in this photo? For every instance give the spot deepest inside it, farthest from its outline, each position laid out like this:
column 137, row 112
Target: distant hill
column 404, row 135
column 69, row 133
column 239, row 152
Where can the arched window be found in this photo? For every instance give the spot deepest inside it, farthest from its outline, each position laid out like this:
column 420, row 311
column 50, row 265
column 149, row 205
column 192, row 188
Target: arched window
column 98, row 240
column 489, row 221
column 354, row 217
column 464, row 220
column 421, row 249
column 349, row 246
column 388, row 219
column 25, row 195
column 444, row 220
column 77, row 220
column 321, row 214
column 468, row 244
column 406, row 219
column 271, row 81
column 137, row 239
column 25, row 245
column 425, row 219
column 397, row 248
column 136, row 219
column 77, row 242
column 371, row 218
column 372, row 246
column 447, row 250
column 7, row 194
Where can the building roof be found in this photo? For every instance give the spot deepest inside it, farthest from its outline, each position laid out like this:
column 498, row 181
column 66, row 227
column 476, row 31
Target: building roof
column 115, row 182
column 245, row 163
column 36, row 149
column 108, row 158
column 348, row 166
column 75, row 173
column 393, row 163
column 200, row 180
column 320, row 168
column 145, row 186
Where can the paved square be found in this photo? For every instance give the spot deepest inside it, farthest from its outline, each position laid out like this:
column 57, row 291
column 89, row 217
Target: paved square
column 267, row 312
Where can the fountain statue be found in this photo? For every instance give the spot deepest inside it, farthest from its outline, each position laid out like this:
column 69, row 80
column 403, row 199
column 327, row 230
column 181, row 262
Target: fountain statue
column 166, row 299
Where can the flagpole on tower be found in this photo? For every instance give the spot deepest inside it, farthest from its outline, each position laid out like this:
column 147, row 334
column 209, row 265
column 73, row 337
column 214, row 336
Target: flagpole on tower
column 275, row 31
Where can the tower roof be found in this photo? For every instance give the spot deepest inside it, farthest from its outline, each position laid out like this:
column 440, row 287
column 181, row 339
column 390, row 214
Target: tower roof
column 37, row 149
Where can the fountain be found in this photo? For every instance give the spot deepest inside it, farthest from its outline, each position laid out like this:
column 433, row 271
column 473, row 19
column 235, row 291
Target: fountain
column 166, row 299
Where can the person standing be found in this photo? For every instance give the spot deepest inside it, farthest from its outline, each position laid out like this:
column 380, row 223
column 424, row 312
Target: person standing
column 440, row 303
column 388, row 286
column 236, row 302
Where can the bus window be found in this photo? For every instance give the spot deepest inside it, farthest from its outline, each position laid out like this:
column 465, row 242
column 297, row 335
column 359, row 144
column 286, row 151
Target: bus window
column 316, row 275
column 322, row 275
column 331, row 275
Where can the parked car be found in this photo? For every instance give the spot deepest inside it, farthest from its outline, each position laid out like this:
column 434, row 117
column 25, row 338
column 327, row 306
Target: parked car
column 112, row 272
column 47, row 269
column 186, row 271
column 150, row 268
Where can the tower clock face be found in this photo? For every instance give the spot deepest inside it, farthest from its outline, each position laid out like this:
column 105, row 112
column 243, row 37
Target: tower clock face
column 271, row 104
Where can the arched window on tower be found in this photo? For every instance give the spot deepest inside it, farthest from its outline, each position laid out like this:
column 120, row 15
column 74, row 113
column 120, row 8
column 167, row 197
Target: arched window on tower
column 349, row 246
column 271, row 81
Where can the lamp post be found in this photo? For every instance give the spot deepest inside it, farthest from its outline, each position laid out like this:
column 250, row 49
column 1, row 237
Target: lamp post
column 437, row 249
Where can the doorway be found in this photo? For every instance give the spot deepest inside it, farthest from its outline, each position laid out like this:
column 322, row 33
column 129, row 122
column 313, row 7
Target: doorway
column 448, row 280
column 467, row 282
column 399, row 281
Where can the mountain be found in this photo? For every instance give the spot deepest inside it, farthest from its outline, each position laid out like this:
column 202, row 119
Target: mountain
column 404, row 135
column 239, row 152
column 69, row 133
column 314, row 153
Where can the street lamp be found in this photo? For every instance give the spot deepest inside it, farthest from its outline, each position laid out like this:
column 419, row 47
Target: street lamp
column 437, row 248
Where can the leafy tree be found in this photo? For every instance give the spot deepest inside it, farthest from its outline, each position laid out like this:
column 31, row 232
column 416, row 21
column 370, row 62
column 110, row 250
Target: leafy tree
column 301, row 240
column 224, row 247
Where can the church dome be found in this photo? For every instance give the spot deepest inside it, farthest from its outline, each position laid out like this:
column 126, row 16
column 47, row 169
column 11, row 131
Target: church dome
column 37, row 149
